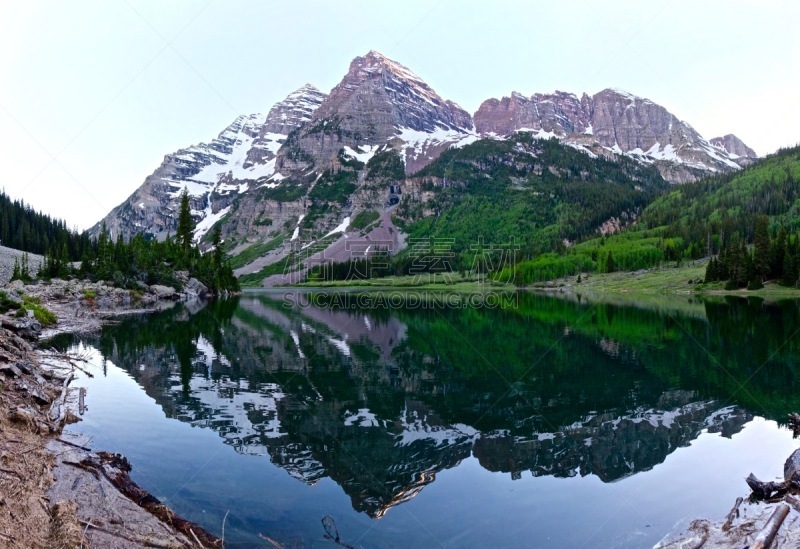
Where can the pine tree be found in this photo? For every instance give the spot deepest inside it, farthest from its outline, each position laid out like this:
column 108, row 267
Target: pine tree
column 761, row 253
column 185, row 224
column 778, row 253
column 723, row 263
column 610, row 266
column 790, row 269
column 736, row 268
column 711, row 271
column 16, row 273
column 24, row 272
column 217, row 242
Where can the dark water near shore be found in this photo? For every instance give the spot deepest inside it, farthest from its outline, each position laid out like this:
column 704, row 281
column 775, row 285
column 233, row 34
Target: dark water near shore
column 528, row 422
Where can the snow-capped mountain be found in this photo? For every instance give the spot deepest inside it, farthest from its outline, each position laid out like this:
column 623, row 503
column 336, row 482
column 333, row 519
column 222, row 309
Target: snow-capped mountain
column 243, row 155
column 293, row 180
column 618, row 122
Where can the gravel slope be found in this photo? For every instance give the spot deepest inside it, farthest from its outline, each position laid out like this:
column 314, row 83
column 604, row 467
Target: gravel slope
column 7, row 257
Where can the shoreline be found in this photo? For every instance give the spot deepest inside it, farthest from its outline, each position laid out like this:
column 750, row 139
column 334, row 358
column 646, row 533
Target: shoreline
column 57, row 491
column 686, row 281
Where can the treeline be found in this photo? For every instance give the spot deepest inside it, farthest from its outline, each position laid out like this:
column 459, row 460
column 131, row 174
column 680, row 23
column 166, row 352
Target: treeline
column 769, row 259
column 424, row 258
column 129, row 264
column 25, row 229
column 378, row 265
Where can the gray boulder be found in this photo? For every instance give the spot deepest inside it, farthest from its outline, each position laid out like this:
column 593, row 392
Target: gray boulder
column 163, row 292
column 196, row 288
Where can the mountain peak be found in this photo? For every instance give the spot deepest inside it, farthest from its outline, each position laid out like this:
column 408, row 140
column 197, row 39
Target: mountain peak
column 294, row 111
column 620, row 91
column 734, row 146
column 306, row 88
column 375, row 59
column 378, row 96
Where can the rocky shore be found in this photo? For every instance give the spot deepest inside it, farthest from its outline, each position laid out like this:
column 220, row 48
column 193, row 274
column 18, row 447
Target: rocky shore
column 55, row 491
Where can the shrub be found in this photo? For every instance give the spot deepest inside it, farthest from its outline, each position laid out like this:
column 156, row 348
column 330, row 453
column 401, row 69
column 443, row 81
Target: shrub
column 45, row 317
column 731, row 285
column 6, row 303
column 755, row 284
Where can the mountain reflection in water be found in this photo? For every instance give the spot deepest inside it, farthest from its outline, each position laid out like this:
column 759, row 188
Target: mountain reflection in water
column 381, row 401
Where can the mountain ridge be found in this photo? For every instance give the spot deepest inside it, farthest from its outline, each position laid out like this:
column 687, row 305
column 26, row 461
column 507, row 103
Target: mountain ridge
column 300, row 169
column 617, row 121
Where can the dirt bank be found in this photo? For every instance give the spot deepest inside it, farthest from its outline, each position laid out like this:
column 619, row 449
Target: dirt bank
column 56, row 492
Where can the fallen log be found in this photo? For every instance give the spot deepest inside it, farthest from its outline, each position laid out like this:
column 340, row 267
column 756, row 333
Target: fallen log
column 84, row 448
column 766, row 490
column 767, row 534
column 770, row 490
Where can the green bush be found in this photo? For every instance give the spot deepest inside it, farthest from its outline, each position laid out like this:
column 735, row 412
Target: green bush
column 31, row 300
column 45, row 317
column 6, row 303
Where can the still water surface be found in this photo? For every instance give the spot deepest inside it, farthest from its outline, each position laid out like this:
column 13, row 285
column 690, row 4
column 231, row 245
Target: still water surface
column 547, row 422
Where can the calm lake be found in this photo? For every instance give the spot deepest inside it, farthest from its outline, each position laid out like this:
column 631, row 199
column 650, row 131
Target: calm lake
column 524, row 421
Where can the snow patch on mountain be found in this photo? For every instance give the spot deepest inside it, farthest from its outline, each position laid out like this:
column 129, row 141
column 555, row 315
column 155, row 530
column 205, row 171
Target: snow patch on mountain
column 342, row 227
column 364, row 153
column 208, row 221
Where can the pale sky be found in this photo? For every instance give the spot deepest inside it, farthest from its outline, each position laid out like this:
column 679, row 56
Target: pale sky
column 93, row 94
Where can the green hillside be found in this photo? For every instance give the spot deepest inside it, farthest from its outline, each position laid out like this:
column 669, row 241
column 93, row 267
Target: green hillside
column 717, row 215
column 531, row 192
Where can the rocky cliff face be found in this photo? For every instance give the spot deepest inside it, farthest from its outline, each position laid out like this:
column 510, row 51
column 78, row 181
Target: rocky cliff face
column 291, row 113
column 618, row 122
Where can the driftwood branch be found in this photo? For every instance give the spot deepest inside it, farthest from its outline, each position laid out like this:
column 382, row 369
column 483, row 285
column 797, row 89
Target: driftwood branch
column 732, row 515
column 71, row 359
column 82, row 400
column 74, row 445
column 58, row 409
column 767, row 534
